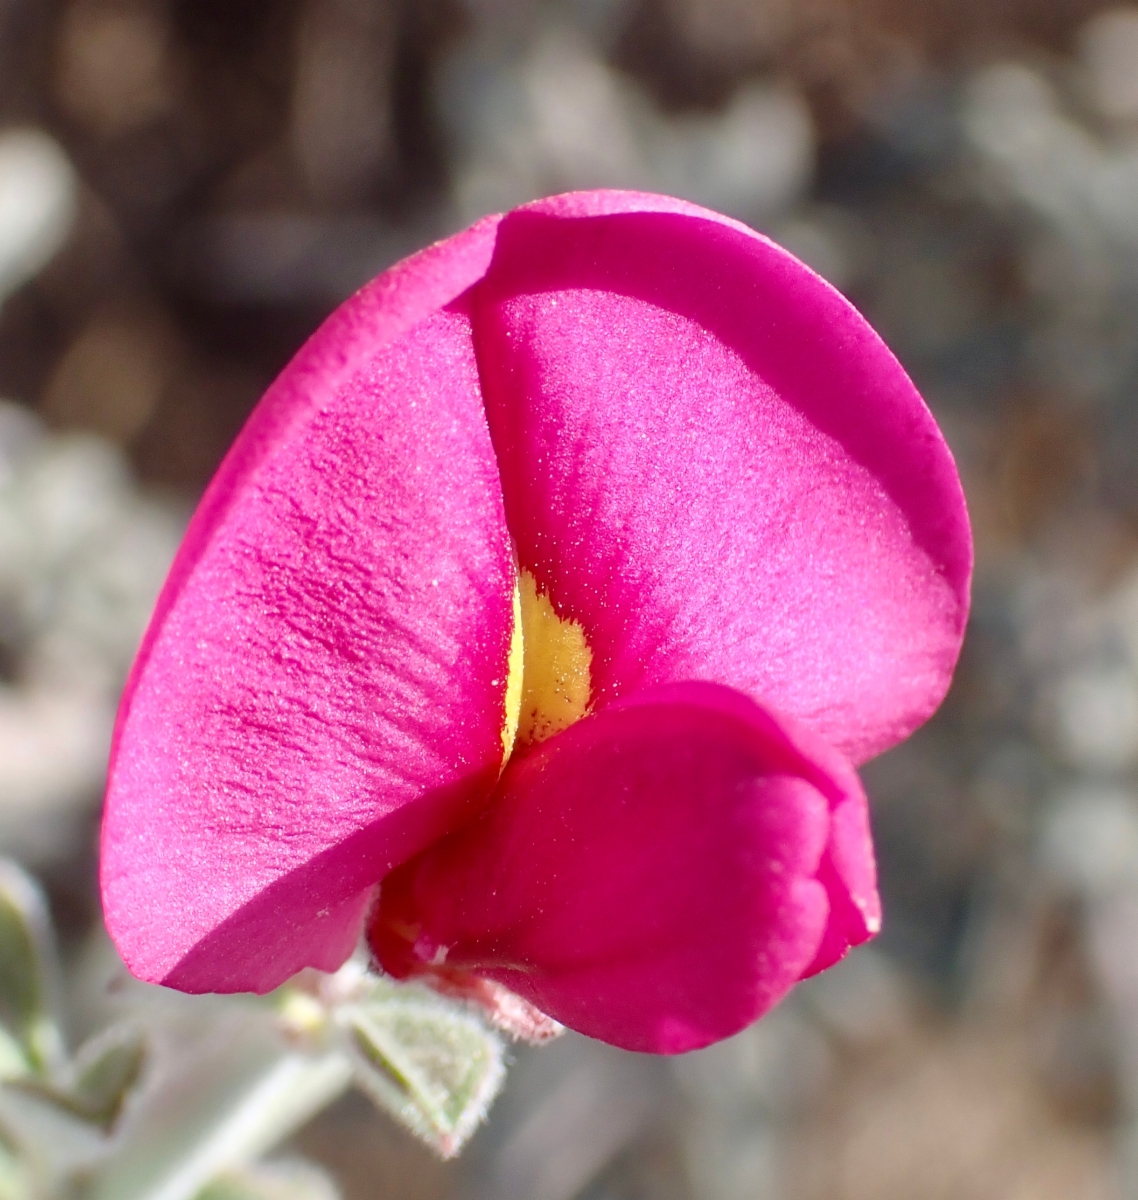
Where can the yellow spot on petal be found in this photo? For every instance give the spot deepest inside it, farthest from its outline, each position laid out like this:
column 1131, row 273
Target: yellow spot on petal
column 514, row 680
column 556, row 668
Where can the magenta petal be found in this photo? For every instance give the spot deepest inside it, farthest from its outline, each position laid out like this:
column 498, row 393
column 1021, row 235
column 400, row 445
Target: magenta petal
column 321, row 691
column 648, row 877
column 712, row 462
column 848, row 872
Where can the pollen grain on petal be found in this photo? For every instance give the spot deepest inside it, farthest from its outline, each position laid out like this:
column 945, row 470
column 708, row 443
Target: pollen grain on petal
column 557, row 667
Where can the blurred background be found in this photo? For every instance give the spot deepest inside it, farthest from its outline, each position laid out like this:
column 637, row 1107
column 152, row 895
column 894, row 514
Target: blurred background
column 188, row 186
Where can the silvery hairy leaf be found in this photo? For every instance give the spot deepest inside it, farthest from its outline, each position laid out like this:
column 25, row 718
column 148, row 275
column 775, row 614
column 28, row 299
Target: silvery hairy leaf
column 30, row 1039
column 433, row 1065
column 289, row 1179
column 220, row 1088
column 95, row 1085
column 50, row 1144
column 15, row 1179
column 105, row 1070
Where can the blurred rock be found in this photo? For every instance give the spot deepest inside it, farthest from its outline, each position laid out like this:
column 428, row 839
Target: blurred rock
column 282, row 258
column 113, row 71
column 741, row 1096
column 342, row 97
column 82, row 555
column 1091, row 838
column 1108, row 48
column 37, row 204
column 948, row 1115
column 1096, row 717
column 568, row 1110
column 112, row 377
column 751, row 160
column 557, row 118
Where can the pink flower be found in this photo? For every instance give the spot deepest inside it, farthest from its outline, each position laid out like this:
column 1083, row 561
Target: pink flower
column 686, row 470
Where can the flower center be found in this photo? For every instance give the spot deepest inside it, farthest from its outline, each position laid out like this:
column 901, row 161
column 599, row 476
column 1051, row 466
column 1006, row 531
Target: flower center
column 550, row 665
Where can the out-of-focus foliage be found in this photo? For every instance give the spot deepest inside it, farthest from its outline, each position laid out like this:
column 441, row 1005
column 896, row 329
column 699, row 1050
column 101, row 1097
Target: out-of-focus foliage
column 177, row 1100
column 289, row 1180
column 30, row 1039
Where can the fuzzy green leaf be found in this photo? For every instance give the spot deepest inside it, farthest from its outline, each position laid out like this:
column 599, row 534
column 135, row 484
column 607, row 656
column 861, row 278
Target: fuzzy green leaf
column 15, row 1182
column 105, row 1071
column 286, row 1180
column 434, row 1066
column 29, row 970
